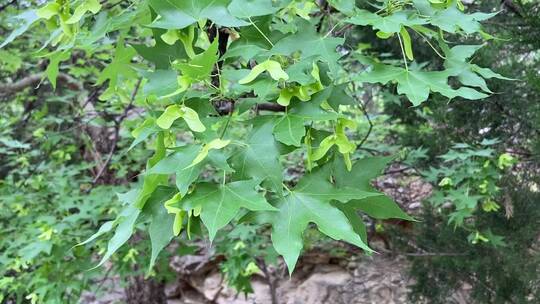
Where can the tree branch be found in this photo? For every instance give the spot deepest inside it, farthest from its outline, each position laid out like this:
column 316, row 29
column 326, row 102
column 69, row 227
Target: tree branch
column 116, row 136
column 34, row 80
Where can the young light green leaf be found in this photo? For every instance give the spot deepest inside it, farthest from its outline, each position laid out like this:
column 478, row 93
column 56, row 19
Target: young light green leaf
column 192, row 119
column 92, row 6
column 173, row 112
column 407, row 45
column 49, row 10
column 217, row 143
column 166, row 119
column 201, row 65
column 273, row 68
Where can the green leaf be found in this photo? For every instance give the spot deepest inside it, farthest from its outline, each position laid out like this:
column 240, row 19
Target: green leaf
column 356, row 221
column 173, row 112
column 160, row 83
column 344, row 6
column 259, row 157
column 273, row 68
column 160, row 228
column 143, row 131
column 290, row 130
column 176, row 161
column 103, row 229
column 313, row 109
column 178, row 14
column 416, row 85
column 23, row 21
column 309, row 202
column 468, row 74
column 387, row 24
column 122, row 233
column 407, row 45
column 363, row 172
column 219, row 204
column 253, row 8
column 53, row 66
column 120, row 66
column 336, row 96
column 92, row 6
column 161, row 54
column 452, row 19
column 200, row 67
column 152, row 181
column 166, row 119
column 311, row 44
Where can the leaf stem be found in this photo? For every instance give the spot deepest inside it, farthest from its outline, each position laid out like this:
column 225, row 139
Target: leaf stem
column 261, row 32
column 332, row 29
column 429, row 43
column 403, row 52
column 227, row 122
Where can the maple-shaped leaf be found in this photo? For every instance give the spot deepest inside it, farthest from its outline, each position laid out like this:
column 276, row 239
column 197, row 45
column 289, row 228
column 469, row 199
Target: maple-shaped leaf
column 310, row 43
column 258, row 157
column 363, row 172
column 120, row 65
column 200, row 66
column 289, row 129
column 345, row 6
column 253, row 8
column 160, row 82
column 468, row 74
column 23, row 22
column 161, row 222
column 178, row 14
column 452, row 19
column 219, row 204
column 416, row 84
column 387, row 24
column 161, row 54
column 309, row 202
column 313, row 109
column 123, row 232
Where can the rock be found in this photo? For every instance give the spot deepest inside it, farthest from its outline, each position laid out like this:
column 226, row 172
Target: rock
column 320, row 287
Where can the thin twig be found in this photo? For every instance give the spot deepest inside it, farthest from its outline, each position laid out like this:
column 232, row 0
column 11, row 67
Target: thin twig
column 117, row 123
column 366, row 115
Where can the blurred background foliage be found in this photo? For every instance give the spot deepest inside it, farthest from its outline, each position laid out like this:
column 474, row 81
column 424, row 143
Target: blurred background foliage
column 481, row 157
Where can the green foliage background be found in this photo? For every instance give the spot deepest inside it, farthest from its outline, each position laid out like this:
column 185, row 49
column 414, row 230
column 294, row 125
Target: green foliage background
column 128, row 125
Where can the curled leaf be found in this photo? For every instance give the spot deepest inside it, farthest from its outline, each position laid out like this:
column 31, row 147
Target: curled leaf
column 271, row 66
column 217, row 143
column 174, row 112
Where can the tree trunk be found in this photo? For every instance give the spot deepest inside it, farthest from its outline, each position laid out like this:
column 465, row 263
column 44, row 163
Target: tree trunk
column 141, row 291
